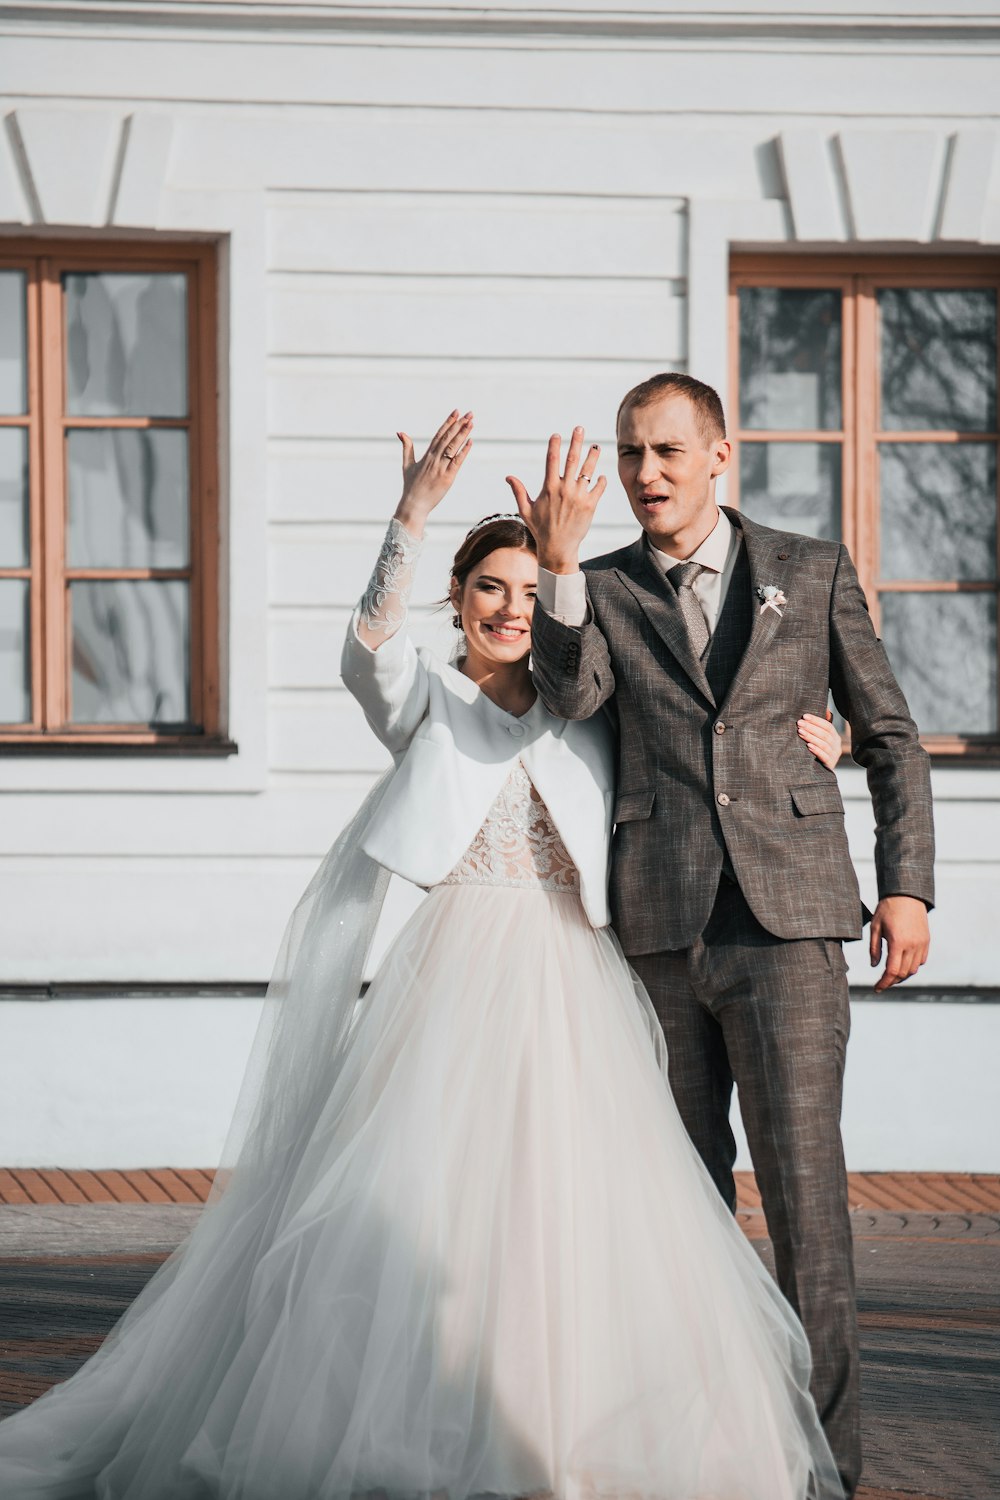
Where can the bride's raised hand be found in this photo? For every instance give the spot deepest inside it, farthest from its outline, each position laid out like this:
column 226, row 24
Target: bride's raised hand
column 822, row 738
column 427, row 480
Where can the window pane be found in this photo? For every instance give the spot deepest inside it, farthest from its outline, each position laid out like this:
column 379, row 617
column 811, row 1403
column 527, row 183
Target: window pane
column 128, row 498
column 794, row 486
column 13, row 364
column 938, row 359
column 789, row 359
column 130, row 653
column 15, row 661
column 939, row 510
column 14, row 545
column 943, row 648
column 126, row 344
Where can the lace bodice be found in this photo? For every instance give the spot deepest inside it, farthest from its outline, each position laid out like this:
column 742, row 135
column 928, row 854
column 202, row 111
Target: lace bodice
column 517, row 845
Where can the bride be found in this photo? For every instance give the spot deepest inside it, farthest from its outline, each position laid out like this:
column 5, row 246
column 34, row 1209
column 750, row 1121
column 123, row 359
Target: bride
column 467, row 1248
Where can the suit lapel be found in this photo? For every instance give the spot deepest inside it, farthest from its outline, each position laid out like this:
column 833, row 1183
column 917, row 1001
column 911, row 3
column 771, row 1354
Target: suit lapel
column 658, row 601
column 766, row 567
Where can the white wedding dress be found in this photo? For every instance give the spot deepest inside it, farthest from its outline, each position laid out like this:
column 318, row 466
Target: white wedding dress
column 495, row 1265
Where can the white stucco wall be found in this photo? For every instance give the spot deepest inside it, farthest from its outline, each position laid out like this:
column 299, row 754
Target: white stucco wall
column 152, row 1081
column 522, row 212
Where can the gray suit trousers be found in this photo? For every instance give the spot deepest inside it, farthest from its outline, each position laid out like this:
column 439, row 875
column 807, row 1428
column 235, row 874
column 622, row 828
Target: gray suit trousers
column 772, row 1015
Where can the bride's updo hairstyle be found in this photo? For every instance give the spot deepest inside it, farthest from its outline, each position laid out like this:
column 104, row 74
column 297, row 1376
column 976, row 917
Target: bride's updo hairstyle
column 488, row 535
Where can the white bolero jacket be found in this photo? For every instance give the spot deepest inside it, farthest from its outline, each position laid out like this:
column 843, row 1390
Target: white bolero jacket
column 453, row 750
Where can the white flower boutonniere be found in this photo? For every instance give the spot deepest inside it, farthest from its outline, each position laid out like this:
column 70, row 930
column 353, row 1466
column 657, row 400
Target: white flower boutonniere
column 771, row 597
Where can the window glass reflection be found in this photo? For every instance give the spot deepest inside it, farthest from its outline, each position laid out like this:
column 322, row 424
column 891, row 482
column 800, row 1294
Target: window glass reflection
column 14, row 539
column 13, row 361
column 789, row 359
column 128, row 498
column 943, row 648
column 938, row 358
column 15, row 659
column 939, row 510
column 130, row 653
column 794, row 486
column 126, row 344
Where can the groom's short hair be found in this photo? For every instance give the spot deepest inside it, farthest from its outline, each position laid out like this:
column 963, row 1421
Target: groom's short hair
column 705, row 400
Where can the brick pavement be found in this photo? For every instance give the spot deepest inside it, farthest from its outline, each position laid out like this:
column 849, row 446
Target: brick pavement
column 928, row 1262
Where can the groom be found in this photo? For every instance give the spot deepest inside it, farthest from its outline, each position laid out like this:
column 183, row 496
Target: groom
column 732, row 886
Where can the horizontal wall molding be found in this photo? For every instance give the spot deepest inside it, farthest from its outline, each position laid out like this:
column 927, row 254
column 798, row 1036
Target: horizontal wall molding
column 449, row 234
column 736, row 22
column 438, row 318
column 140, row 990
column 255, row 989
column 929, row 995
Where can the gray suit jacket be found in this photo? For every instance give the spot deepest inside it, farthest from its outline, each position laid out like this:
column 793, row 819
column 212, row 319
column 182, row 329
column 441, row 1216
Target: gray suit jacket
column 698, row 778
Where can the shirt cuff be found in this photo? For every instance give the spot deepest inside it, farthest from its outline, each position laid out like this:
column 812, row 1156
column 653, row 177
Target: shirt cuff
column 563, row 596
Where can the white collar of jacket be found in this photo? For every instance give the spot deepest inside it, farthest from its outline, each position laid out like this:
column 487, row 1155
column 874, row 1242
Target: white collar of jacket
column 454, row 749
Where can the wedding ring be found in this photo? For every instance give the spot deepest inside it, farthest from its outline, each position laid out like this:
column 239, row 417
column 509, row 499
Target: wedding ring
column 448, row 453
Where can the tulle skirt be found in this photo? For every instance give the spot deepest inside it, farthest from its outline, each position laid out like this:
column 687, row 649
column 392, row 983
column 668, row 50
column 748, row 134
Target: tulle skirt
column 499, row 1269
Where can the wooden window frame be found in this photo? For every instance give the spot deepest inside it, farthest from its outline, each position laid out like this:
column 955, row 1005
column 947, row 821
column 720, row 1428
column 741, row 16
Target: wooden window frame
column 45, row 262
column 858, row 277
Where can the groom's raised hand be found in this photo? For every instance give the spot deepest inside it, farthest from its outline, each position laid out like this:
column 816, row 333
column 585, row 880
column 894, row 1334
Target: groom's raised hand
column 901, row 923
column 560, row 516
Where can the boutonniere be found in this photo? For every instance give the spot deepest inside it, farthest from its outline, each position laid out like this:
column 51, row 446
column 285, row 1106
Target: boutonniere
column 771, row 597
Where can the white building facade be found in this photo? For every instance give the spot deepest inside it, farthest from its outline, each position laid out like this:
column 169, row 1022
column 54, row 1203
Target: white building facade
column 241, row 245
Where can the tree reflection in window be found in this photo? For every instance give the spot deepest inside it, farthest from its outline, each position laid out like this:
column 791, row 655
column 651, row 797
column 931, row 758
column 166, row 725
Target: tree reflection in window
column 938, row 359
column 130, row 653
column 789, row 359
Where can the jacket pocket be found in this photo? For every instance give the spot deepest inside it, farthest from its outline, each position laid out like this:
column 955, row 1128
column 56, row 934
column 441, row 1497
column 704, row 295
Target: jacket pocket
column 632, row 807
column 816, row 798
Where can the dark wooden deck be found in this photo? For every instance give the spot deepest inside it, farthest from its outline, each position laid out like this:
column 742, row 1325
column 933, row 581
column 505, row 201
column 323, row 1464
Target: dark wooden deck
column 927, row 1253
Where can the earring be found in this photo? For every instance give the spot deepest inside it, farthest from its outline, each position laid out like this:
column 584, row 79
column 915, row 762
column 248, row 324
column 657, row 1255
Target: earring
column 456, row 620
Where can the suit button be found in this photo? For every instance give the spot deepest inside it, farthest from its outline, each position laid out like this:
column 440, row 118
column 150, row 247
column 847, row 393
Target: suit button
column 720, row 728
column 515, row 729
column 722, row 799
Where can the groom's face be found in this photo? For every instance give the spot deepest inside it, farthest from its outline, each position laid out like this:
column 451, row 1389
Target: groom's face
column 668, row 466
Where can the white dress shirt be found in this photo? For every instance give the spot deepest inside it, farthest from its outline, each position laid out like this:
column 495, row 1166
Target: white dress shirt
column 564, row 595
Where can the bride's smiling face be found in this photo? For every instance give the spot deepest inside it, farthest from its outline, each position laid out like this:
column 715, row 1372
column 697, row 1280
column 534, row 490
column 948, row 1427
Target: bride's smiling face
column 496, row 603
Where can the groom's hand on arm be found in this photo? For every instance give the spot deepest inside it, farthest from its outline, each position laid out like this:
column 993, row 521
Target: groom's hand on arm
column 886, row 743
column 901, row 923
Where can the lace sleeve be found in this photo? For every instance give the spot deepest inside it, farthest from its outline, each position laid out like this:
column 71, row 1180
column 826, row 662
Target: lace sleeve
column 383, row 608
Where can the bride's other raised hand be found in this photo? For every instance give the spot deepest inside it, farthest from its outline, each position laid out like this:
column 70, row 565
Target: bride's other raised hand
column 822, row 738
column 560, row 515
column 427, row 480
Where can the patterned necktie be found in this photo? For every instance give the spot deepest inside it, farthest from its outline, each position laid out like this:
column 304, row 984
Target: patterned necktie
column 682, row 576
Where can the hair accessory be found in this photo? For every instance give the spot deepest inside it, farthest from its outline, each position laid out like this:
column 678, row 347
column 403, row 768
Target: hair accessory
column 500, row 515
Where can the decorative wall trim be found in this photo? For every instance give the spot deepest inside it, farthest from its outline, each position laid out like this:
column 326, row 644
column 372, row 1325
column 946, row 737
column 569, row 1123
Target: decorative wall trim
column 146, row 140
column 734, row 22
column 891, row 186
column 69, row 163
column 893, row 180
column 971, row 163
column 255, row 990
column 84, row 168
column 928, row 995
column 811, row 181
column 18, row 202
